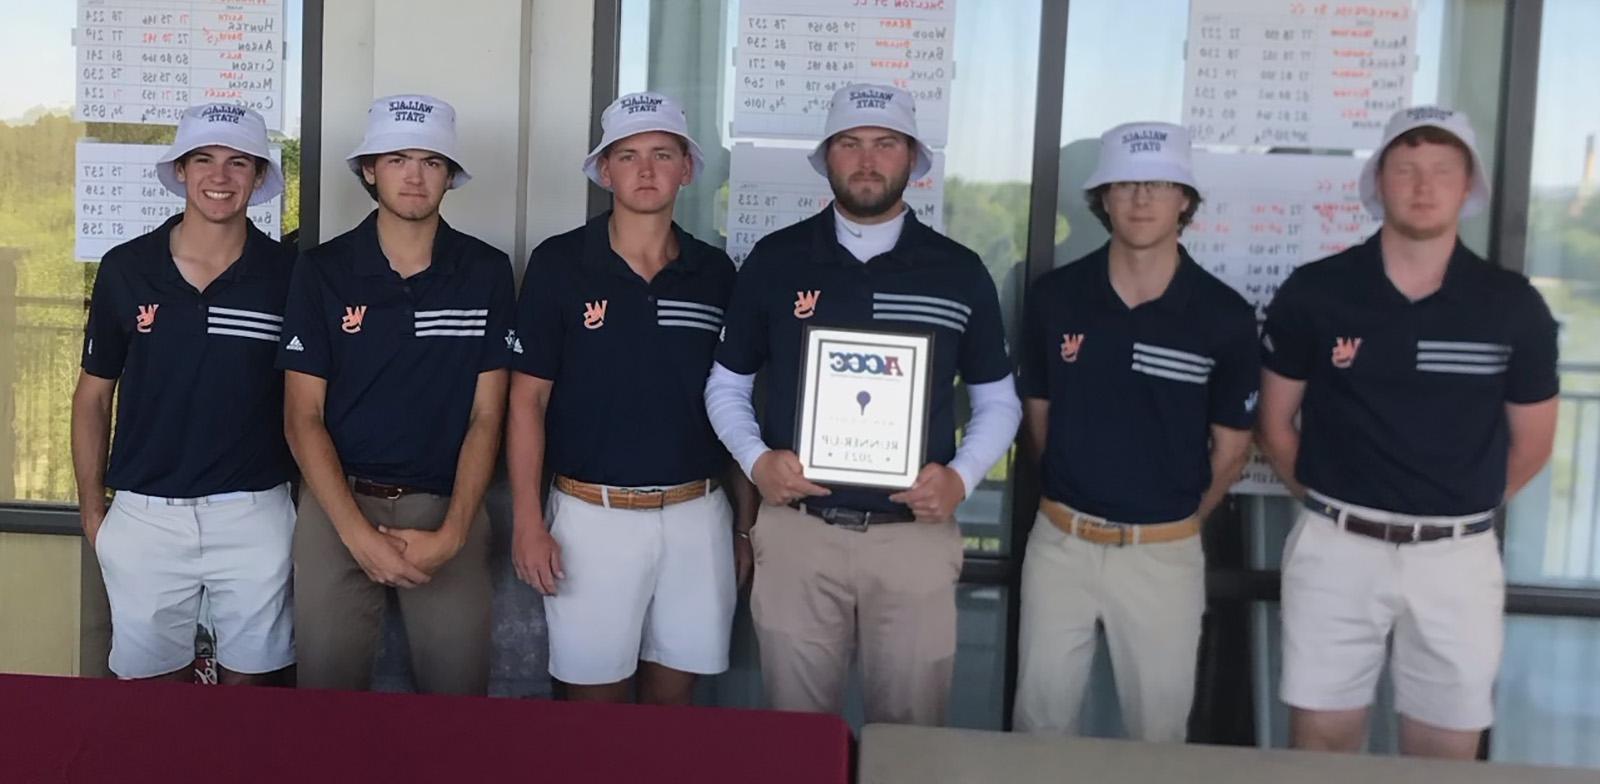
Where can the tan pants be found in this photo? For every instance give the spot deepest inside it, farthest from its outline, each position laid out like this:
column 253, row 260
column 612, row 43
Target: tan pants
column 339, row 611
column 1149, row 597
column 821, row 590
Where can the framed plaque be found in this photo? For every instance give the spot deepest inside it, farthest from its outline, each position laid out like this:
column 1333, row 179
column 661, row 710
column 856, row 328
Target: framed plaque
column 863, row 416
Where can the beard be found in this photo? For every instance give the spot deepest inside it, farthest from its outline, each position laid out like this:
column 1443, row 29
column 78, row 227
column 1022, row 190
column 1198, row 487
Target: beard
column 869, row 207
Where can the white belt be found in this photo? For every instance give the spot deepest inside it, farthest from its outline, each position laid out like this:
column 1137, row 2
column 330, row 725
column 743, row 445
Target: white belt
column 205, row 500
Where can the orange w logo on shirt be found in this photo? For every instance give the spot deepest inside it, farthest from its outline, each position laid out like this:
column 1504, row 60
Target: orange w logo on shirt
column 351, row 322
column 594, row 314
column 1070, row 344
column 1344, row 351
column 805, row 303
column 146, row 319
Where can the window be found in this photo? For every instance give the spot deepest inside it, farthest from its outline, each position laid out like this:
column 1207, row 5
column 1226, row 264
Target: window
column 43, row 288
column 1553, row 530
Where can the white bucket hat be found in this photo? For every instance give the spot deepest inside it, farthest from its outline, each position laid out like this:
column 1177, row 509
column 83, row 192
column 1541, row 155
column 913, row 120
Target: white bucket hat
column 872, row 105
column 411, row 122
column 1144, row 152
column 1448, row 120
column 227, row 125
column 637, row 113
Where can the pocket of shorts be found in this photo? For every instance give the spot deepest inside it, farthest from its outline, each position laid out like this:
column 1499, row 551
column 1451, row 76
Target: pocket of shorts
column 1291, row 544
column 100, row 533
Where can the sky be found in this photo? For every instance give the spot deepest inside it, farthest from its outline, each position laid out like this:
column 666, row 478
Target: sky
column 1124, row 63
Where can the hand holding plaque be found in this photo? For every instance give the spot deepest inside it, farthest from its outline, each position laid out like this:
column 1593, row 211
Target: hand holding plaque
column 863, row 416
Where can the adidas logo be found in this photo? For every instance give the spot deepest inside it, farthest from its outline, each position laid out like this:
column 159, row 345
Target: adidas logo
column 295, row 344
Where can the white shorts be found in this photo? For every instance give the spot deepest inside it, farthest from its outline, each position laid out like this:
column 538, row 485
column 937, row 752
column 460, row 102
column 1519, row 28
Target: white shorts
column 157, row 558
column 1342, row 595
column 652, row 585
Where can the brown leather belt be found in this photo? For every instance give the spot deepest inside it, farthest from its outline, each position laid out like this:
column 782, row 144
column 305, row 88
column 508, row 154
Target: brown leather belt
column 380, row 490
column 1397, row 533
column 1098, row 531
column 629, row 498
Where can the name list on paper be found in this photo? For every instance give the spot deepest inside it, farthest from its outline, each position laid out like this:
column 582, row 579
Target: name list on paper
column 1297, row 73
column 145, row 61
column 791, row 55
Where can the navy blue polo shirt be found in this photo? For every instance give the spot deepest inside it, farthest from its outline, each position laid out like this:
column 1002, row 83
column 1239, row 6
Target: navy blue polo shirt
column 1133, row 392
column 199, row 405
column 401, row 355
column 628, row 359
column 801, row 276
column 1404, row 406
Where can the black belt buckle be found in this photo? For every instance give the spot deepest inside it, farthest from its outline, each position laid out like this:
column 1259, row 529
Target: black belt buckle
column 848, row 519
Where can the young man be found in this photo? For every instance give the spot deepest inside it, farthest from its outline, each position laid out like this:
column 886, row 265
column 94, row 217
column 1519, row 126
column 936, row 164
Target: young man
column 1424, row 379
column 182, row 326
column 617, row 324
column 395, row 345
column 839, row 566
column 1140, row 371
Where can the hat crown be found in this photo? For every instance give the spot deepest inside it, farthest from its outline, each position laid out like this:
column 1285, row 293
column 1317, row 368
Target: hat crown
column 1437, row 116
column 1144, row 151
column 1146, row 139
column 411, row 110
column 230, row 113
column 634, row 104
column 863, row 104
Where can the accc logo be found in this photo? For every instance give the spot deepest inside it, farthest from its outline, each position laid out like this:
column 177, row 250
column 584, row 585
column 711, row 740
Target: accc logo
column 872, row 364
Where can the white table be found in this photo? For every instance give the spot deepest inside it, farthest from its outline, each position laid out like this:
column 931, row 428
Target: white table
column 892, row 754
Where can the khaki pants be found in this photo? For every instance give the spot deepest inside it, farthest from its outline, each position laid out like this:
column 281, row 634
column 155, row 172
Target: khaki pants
column 821, row 590
column 339, row 611
column 1149, row 598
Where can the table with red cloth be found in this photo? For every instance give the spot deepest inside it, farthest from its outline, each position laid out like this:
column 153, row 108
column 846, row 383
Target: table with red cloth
column 71, row 729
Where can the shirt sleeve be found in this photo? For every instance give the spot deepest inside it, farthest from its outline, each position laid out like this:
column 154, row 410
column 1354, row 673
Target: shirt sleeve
column 500, row 336
column 538, row 321
column 1034, row 365
column 1236, row 379
column 1532, row 376
column 984, row 357
column 304, row 346
column 1288, row 342
column 105, row 338
column 743, row 345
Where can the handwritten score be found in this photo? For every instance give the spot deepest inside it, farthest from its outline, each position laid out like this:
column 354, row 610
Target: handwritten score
column 145, row 61
column 118, row 197
column 773, row 187
column 1297, row 73
column 791, row 55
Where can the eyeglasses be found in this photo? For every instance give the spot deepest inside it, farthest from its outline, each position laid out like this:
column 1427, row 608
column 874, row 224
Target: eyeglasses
column 1155, row 188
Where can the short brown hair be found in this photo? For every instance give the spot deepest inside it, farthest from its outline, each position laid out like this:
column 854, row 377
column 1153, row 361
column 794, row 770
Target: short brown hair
column 1097, row 205
column 1428, row 134
column 372, row 160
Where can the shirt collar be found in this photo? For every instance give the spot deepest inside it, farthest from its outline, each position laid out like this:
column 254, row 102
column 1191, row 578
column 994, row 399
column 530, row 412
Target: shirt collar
column 1173, row 300
column 159, row 264
column 370, row 260
column 1459, row 272
column 598, row 254
column 825, row 247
